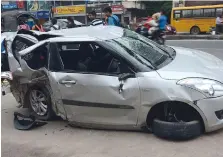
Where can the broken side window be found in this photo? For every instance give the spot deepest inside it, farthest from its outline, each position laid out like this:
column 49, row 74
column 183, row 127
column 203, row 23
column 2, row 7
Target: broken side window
column 37, row 58
column 19, row 44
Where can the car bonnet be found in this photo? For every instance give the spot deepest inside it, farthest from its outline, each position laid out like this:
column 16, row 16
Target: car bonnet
column 193, row 63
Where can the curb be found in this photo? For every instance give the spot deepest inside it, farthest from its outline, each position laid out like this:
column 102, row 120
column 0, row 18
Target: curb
column 207, row 37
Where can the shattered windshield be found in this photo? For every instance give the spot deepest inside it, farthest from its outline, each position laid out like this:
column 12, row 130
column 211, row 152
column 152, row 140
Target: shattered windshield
column 140, row 49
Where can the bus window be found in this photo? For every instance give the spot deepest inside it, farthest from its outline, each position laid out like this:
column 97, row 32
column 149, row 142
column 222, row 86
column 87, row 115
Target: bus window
column 186, row 13
column 198, row 13
column 209, row 12
column 219, row 11
column 177, row 14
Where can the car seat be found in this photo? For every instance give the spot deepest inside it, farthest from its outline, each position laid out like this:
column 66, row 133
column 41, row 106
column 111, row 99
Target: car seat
column 85, row 54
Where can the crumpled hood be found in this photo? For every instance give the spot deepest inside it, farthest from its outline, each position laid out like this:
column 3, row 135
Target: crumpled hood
column 193, row 63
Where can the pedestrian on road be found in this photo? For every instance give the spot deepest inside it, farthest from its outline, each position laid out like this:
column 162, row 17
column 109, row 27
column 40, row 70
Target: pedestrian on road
column 22, row 25
column 112, row 20
column 38, row 26
column 219, row 24
column 71, row 23
column 54, row 25
column 94, row 20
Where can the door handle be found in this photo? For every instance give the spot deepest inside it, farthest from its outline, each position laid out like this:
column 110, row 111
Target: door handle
column 68, row 82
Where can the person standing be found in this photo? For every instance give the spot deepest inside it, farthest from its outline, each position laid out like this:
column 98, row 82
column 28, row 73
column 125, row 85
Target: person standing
column 54, row 25
column 38, row 26
column 219, row 24
column 94, row 20
column 22, row 25
column 71, row 23
column 30, row 22
column 112, row 20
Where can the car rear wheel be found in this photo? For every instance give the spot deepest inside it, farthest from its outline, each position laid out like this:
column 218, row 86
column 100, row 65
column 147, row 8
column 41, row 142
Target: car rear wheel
column 40, row 103
column 195, row 30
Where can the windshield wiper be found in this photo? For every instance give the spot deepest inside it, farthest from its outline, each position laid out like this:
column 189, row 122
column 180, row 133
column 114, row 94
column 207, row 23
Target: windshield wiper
column 170, row 56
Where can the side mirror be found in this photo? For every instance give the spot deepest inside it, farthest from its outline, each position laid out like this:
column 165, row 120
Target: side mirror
column 125, row 76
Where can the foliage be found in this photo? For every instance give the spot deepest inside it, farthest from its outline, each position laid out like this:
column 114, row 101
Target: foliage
column 155, row 6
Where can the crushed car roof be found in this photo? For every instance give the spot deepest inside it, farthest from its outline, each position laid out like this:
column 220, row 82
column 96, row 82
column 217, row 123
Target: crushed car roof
column 98, row 32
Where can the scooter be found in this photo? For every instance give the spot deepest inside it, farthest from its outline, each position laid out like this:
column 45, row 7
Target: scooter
column 160, row 37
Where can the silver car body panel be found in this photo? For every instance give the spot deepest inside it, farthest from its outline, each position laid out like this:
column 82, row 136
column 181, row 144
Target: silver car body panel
column 95, row 100
column 213, row 123
column 155, row 90
column 202, row 65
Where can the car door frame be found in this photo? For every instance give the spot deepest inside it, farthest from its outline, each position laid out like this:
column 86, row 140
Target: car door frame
column 114, row 55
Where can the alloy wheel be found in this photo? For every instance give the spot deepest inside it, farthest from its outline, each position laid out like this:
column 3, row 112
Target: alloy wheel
column 38, row 102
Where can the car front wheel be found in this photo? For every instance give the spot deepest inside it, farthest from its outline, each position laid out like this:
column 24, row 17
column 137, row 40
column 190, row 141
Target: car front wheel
column 177, row 130
column 40, row 103
column 175, row 121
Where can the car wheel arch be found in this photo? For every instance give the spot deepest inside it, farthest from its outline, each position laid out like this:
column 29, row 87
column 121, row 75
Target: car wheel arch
column 154, row 109
column 45, row 88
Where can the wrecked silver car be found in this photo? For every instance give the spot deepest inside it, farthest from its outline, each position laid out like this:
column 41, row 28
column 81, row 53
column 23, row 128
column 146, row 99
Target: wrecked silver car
column 112, row 78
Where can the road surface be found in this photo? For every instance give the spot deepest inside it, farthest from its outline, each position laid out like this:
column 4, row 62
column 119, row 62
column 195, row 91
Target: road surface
column 57, row 139
column 214, row 47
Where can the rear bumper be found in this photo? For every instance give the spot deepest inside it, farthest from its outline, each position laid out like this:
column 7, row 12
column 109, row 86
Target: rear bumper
column 209, row 107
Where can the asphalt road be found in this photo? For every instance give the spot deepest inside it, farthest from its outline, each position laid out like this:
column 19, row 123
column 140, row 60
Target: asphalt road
column 214, row 47
column 57, row 139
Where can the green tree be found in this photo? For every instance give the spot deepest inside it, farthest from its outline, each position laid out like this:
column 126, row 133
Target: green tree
column 155, row 6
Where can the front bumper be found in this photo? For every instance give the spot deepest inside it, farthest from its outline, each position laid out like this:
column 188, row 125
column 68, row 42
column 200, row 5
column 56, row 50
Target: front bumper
column 209, row 108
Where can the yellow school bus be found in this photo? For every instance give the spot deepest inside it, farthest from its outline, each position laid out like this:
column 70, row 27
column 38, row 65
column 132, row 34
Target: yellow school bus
column 195, row 19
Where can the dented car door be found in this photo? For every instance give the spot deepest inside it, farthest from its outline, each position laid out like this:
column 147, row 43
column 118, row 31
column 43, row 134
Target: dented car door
column 95, row 98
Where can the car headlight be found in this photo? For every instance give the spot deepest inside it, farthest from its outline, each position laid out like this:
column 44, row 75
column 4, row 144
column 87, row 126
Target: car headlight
column 210, row 88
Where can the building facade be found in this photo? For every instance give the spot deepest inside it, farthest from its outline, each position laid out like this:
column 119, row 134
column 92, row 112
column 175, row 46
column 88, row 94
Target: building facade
column 187, row 3
column 12, row 5
column 126, row 10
